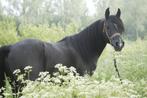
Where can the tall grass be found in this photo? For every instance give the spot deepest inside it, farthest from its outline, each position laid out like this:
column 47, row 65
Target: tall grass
column 132, row 61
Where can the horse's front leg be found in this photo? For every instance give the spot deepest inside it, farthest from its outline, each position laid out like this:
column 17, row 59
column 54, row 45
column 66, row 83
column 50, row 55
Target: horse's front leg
column 92, row 69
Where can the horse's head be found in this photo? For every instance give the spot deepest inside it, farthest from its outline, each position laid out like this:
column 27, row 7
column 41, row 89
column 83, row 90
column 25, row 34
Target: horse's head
column 112, row 29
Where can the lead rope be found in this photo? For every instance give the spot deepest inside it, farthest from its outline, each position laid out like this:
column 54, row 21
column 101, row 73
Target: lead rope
column 116, row 68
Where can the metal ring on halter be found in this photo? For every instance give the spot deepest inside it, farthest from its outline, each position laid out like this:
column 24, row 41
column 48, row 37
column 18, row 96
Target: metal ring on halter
column 109, row 37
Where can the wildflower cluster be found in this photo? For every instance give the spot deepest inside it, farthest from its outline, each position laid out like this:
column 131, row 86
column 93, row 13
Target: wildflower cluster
column 66, row 83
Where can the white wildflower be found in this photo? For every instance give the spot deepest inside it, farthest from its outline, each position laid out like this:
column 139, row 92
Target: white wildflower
column 16, row 72
column 43, row 74
column 28, row 69
column 56, row 74
column 58, row 66
column 56, row 80
column 72, row 69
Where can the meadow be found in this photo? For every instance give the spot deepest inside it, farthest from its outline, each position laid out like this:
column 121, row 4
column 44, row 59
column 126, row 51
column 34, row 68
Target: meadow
column 132, row 65
column 51, row 20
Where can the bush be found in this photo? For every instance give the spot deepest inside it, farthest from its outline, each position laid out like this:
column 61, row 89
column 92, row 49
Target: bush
column 8, row 33
column 66, row 83
column 42, row 32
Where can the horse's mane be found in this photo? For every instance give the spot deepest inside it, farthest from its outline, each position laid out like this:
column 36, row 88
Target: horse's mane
column 89, row 42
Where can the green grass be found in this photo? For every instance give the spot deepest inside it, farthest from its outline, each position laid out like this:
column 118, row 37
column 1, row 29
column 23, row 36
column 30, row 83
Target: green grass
column 132, row 61
column 132, row 65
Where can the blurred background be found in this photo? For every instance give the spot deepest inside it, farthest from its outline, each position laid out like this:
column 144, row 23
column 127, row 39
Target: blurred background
column 50, row 20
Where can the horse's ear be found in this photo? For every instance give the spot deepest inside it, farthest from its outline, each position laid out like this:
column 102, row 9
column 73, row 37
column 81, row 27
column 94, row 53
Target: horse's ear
column 118, row 13
column 107, row 13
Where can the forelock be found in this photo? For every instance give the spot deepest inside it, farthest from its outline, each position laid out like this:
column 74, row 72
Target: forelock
column 117, row 21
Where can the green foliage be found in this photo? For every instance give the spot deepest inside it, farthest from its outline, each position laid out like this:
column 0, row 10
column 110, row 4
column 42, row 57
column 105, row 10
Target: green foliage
column 72, row 27
column 131, row 60
column 42, row 32
column 7, row 31
column 66, row 83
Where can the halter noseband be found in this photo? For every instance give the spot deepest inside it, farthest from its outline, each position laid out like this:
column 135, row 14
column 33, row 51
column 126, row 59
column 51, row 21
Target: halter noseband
column 109, row 37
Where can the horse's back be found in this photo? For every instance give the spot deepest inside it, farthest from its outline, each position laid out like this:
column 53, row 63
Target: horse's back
column 24, row 53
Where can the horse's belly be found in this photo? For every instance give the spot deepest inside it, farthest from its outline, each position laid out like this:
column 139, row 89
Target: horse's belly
column 26, row 54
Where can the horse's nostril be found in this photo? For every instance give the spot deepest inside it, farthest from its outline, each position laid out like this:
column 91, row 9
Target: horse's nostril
column 117, row 44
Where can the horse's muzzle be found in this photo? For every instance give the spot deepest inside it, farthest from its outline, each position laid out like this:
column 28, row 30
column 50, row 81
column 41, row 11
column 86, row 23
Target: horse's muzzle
column 117, row 43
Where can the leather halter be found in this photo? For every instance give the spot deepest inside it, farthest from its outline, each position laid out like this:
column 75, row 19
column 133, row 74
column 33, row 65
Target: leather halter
column 109, row 37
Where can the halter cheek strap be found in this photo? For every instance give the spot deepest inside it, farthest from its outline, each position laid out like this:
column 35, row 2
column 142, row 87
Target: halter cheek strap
column 109, row 37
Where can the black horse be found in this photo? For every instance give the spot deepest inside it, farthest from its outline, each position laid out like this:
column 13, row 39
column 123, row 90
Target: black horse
column 81, row 50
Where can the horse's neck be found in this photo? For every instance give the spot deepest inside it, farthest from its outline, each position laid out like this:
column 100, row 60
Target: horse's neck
column 90, row 43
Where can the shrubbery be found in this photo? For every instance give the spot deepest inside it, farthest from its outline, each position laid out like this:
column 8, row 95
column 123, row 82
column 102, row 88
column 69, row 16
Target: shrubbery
column 66, row 83
column 8, row 33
